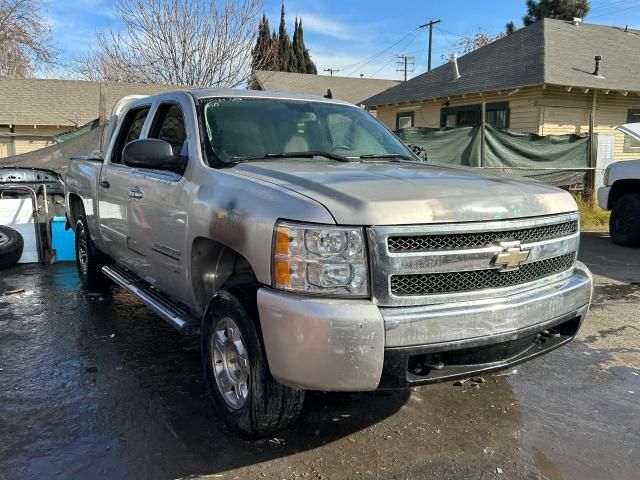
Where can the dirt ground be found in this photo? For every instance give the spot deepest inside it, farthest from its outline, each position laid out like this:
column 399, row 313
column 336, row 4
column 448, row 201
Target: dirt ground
column 96, row 386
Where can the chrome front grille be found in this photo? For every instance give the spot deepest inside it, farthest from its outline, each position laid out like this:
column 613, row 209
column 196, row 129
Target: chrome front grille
column 430, row 283
column 417, row 243
column 431, row 264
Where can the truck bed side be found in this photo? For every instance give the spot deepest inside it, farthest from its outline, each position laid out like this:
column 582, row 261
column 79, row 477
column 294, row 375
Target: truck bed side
column 81, row 193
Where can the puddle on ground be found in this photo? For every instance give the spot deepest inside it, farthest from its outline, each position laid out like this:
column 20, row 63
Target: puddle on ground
column 616, row 291
column 97, row 386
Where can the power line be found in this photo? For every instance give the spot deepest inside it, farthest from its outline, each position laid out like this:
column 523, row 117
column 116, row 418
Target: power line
column 331, row 70
column 392, row 58
column 450, row 33
column 610, row 12
column 368, row 60
column 375, row 55
column 608, row 6
column 382, row 67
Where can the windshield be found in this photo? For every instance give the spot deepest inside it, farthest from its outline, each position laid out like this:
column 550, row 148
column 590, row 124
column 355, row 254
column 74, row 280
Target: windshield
column 241, row 129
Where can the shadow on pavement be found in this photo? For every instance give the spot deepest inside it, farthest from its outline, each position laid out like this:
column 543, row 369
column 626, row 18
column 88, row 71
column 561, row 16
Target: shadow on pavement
column 609, row 260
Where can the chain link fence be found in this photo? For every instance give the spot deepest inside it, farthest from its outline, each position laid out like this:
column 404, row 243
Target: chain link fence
column 572, row 179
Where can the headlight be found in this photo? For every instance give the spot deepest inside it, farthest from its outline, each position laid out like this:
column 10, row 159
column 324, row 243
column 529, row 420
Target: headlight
column 320, row 259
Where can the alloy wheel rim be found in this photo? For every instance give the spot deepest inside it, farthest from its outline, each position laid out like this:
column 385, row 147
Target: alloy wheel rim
column 230, row 363
column 3, row 239
column 83, row 256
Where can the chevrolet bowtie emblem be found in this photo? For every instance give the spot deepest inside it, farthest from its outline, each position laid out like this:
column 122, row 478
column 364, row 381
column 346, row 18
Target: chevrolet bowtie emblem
column 511, row 257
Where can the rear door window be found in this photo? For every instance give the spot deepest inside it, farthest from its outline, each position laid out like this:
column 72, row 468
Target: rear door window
column 130, row 131
column 168, row 125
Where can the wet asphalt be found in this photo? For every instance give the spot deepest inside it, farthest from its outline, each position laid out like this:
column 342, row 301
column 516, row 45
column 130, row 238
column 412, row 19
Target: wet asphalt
column 93, row 385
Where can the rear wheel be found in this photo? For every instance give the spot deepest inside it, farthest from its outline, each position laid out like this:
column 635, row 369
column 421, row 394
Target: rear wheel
column 624, row 224
column 244, row 394
column 11, row 246
column 88, row 259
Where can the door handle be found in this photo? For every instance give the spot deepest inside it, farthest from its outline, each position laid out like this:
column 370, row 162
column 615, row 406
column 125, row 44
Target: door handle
column 135, row 193
column 104, row 184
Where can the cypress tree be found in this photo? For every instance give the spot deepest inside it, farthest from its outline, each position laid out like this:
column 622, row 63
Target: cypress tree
column 276, row 51
column 284, row 45
column 307, row 65
column 293, row 64
column 262, row 54
column 298, row 49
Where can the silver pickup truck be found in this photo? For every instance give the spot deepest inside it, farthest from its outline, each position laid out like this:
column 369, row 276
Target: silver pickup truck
column 311, row 250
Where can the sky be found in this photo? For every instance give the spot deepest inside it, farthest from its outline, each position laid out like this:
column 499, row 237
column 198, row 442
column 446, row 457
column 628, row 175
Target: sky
column 353, row 36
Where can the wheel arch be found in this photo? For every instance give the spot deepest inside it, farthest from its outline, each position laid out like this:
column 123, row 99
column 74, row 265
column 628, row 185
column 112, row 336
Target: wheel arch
column 75, row 208
column 214, row 266
column 621, row 188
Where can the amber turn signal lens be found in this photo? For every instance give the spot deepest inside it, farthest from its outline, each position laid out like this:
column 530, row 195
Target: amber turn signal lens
column 282, row 241
column 283, row 278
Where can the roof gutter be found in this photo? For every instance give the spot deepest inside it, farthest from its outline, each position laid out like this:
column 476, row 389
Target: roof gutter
column 506, row 91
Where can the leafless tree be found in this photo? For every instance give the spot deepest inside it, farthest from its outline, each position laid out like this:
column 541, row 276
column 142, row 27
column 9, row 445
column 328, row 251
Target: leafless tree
column 177, row 42
column 472, row 42
column 25, row 38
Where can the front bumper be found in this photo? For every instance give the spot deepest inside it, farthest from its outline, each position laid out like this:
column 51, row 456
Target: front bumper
column 603, row 197
column 353, row 345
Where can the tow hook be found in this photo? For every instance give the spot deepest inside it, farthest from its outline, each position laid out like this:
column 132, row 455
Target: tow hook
column 550, row 333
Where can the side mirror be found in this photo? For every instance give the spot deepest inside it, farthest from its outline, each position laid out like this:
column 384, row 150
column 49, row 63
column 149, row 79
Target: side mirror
column 150, row 153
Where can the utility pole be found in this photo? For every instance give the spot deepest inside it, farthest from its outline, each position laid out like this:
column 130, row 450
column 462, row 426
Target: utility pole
column 404, row 63
column 330, row 70
column 430, row 25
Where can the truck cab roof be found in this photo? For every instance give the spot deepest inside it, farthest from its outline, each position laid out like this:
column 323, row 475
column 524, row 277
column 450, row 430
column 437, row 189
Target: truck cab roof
column 202, row 93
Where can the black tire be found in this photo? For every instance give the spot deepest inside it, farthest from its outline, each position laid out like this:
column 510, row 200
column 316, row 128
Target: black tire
column 624, row 223
column 268, row 405
column 88, row 259
column 11, row 246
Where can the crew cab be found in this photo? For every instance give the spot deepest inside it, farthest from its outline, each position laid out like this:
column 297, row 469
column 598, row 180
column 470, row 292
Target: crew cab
column 312, row 250
column 621, row 195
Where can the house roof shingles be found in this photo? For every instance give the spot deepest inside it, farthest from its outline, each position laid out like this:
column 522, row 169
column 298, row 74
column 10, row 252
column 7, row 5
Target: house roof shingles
column 352, row 90
column 62, row 102
column 552, row 52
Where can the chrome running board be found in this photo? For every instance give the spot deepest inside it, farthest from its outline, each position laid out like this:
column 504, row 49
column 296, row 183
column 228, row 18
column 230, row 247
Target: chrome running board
column 175, row 315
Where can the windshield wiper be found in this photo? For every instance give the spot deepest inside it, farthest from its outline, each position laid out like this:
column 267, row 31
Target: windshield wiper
column 315, row 153
column 374, row 156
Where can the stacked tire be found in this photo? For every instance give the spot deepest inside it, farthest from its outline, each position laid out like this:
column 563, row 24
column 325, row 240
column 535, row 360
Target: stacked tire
column 11, row 246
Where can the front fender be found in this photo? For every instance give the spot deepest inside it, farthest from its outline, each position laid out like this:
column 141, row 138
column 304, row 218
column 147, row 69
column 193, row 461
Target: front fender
column 240, row 213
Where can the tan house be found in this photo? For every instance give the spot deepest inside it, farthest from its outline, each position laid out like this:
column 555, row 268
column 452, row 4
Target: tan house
column 349, row 89
column 545, row 78
column 33, row 111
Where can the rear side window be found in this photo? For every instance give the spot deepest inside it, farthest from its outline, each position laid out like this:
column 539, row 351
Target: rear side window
column 168, row 125
column 130, row 131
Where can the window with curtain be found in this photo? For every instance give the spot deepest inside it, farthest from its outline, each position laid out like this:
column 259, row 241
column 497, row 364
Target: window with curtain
column 496, row 115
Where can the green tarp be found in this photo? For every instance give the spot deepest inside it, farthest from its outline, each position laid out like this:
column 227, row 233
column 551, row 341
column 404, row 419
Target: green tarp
column 524, row 154
column 70, row 135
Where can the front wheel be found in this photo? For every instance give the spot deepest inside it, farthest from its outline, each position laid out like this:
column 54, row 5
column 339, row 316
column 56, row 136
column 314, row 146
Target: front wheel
column 624, row 224
column 244, row 394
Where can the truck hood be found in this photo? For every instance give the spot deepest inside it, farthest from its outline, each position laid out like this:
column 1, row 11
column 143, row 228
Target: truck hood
column 391, row 193
column 631, row 129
